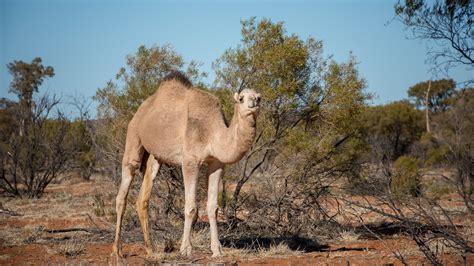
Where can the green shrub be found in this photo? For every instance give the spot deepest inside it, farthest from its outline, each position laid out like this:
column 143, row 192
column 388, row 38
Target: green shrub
column 406, row 177
column 437, row 189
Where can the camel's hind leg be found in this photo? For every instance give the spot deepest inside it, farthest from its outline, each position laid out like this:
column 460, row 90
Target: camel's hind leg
column 131, row 162
column 152, row 168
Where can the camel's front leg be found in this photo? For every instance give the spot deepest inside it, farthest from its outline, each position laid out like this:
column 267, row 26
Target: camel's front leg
column 214, row 173
column 190, row 176
column 131, row 161
column 152, row 168
column 128, row 171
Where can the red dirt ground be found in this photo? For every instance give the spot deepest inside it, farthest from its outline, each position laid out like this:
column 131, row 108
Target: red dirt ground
column 135, row 254
column 25, row 239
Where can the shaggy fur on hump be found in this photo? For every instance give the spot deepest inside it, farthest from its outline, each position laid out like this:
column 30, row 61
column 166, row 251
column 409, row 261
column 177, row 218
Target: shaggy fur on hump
column 178, row 76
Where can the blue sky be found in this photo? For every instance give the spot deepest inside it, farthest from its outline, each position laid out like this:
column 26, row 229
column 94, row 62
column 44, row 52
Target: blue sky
column 87, row 41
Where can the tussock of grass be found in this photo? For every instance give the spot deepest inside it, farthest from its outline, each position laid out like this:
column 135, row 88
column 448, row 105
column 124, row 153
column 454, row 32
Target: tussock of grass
column 33, row 236
column 348, row 236
column 281, row 249
column 70, row 249
column 165, row 257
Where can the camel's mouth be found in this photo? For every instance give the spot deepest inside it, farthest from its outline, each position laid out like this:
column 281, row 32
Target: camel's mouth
column 253, row 111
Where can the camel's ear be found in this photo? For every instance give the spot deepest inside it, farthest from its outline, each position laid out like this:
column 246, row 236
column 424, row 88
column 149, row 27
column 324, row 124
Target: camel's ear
column 236, row 97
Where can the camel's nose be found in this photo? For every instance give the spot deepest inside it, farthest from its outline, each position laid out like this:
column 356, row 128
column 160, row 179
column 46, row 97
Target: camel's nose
column 254, row 102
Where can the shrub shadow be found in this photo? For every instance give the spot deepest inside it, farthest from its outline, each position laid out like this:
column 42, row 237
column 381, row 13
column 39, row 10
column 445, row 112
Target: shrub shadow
column 256, row 243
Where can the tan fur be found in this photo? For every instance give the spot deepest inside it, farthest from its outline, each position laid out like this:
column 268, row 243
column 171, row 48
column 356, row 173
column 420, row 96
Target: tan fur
column 184, row 126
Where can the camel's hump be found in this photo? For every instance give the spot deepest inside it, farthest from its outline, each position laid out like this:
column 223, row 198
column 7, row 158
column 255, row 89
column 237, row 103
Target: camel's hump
column 178, row 76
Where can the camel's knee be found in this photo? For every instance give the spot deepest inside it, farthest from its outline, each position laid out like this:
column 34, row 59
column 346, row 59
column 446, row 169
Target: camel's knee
column 129, row 167
column 212, row 211
column 191, row 212
column 141, row 204
column 120, row 201
column 124, row 185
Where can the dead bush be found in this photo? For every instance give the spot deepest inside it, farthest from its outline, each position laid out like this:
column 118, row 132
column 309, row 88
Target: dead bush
column 421, row 218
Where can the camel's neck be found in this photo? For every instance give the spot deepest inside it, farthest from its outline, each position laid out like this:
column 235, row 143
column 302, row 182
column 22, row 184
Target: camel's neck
column 231, row 143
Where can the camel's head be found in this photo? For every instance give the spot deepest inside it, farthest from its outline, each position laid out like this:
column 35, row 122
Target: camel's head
column 248, row 102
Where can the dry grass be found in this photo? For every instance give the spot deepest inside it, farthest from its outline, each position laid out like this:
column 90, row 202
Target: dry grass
column 103, row 206
column 443, row 246
column 281, row 249
column 165, row 257
column 98, row 205
column 469, row 233
column 240, row 252
column 348, row 236
column 201, row 239
column 34, row 235
column 70, row 249
column 12, row 236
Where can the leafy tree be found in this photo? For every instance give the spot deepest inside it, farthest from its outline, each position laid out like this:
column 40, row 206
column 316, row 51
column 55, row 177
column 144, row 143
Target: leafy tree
column 449, row 24
column 433, row 95
column 391, row 129
column 144, row 71
column 438, row 96
column 27, row 77
column 306, row 119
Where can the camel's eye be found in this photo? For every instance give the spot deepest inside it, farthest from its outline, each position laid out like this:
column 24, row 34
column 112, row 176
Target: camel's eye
column 258, row 99
column 241, row 99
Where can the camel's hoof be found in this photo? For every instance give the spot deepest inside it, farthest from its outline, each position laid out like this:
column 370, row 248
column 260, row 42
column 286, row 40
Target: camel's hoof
column 150, row 252
column 117, row 254
column 217, row 252
column 116, row 257
column 186, row 251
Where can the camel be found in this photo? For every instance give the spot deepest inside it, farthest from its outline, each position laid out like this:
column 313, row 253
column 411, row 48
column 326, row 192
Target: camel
column 184, row 126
